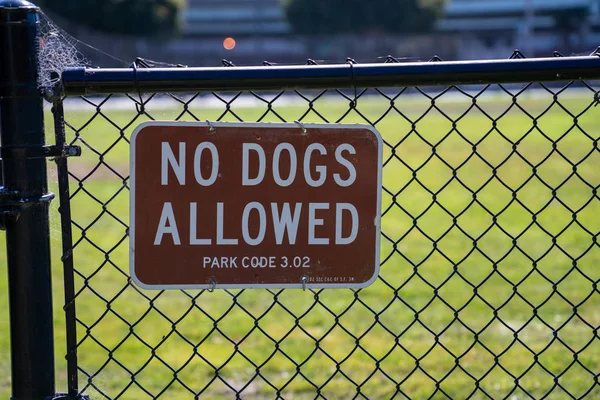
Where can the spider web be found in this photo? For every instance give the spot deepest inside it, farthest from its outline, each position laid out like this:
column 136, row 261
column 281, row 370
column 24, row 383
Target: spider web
column 60, row 50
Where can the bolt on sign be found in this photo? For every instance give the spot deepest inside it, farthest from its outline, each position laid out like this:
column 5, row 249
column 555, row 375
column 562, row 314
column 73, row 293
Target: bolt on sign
column 248, row 205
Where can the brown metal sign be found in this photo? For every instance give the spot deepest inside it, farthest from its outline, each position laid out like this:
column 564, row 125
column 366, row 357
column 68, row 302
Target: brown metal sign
column 228, row 205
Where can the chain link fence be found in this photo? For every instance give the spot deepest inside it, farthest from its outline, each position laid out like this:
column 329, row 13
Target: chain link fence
column 489, row 260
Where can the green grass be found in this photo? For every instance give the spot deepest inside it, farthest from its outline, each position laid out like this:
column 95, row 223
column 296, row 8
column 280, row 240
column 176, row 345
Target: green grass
column 492, row 256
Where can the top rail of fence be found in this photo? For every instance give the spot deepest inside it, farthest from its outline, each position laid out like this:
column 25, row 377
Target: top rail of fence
column 85, row 81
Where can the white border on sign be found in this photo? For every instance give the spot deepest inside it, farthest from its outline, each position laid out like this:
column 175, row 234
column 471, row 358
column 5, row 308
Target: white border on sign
column 216, row 125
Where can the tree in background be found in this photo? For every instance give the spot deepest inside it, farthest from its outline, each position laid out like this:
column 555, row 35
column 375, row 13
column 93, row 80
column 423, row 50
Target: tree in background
column 318, row 17
column 128, row 17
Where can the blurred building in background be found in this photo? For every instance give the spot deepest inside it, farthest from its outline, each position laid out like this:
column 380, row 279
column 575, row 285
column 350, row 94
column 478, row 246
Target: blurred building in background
column 262, row 33
column 259, row 28
column 209, row 18
column 491, row 28
column 469, row 29
column 259, row 31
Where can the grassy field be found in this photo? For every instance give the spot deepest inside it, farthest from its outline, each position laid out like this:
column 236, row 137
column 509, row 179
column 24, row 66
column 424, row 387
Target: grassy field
column 489, row 274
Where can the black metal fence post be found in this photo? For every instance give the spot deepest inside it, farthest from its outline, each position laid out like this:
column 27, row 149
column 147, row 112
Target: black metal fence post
column 26, row 192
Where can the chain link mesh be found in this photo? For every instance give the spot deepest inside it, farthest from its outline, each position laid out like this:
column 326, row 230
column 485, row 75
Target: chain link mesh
column 489, row 261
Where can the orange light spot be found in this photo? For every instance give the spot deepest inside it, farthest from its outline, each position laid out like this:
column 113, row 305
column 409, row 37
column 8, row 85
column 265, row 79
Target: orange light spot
column 229, row 43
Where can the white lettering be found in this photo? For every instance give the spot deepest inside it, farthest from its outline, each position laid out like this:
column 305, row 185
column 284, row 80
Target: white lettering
column 215, row 163
column 341, row 160
column 167, row 157
column 339, row 209
column 193, row 227
column 262, row 164
column 293, row 164
column 246, row 222
column 220, row 222
column 321, row 169
column 313, row 222
column 166, row 225
column 283, row 222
